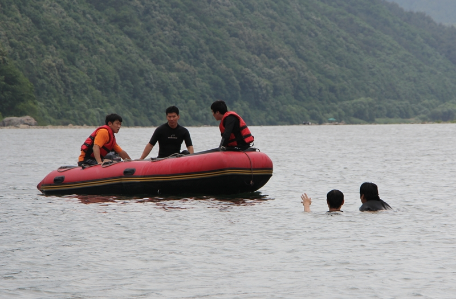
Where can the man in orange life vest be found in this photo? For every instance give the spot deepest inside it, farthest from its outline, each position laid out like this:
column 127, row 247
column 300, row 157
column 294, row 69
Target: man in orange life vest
column 235, row 132
column 101, row 142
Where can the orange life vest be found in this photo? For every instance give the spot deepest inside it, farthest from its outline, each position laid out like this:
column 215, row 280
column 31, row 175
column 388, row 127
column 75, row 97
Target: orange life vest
column 87, row 146
column 245, row 132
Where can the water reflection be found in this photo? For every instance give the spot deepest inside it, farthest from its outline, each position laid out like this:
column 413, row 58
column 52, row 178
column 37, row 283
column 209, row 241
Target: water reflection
column 247, row 245
column 175, row 202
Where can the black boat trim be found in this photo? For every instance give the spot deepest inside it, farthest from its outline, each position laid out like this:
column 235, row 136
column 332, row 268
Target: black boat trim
column 156, row 178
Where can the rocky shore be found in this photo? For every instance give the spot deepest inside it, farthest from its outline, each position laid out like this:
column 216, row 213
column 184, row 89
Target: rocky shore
column 18, row 121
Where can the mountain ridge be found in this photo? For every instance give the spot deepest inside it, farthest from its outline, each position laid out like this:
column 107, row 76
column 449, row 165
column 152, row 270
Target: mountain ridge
column 442, row 11
column 274, row 63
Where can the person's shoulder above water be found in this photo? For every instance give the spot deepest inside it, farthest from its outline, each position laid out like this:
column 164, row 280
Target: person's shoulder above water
column 334, row 213
column 370, row 199
column 374, row 205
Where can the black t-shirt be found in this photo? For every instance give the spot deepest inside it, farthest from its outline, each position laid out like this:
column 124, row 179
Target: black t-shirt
column 232, row 125
column 374, row 205
column 170, row 140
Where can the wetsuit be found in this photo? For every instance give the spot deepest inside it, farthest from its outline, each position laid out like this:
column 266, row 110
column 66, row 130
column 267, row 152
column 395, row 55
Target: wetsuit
column 331, row 213
column 170, row 140
column 232, row 124
column 374, row 205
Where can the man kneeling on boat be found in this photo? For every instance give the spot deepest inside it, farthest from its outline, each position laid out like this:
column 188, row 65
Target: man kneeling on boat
column 169, row 136
column 235, row 132
column 101, row 142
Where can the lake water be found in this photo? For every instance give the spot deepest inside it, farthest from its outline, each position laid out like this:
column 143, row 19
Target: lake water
column 259, row 246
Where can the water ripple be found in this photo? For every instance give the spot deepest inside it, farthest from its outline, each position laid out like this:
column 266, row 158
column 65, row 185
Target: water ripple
column 258, row 245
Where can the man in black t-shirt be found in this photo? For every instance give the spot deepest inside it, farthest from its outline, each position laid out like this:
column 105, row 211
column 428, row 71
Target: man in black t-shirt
column 169, row 136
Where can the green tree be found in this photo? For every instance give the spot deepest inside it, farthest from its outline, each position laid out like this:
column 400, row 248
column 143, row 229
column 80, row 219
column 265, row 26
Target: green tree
column 16, row 91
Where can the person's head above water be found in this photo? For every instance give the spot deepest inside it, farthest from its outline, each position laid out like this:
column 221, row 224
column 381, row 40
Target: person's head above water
column 368, row 191
column 334, row 199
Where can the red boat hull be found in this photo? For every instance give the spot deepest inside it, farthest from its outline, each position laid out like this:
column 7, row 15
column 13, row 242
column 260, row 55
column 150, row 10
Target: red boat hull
column 217, row 172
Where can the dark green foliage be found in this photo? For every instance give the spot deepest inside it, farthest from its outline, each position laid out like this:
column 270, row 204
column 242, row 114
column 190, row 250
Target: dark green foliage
column 274, row 62
column 363, row 108
column 17, row 97
column 445, row 112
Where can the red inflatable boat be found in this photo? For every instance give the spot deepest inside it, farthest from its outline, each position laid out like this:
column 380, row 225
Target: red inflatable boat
column 210, row 172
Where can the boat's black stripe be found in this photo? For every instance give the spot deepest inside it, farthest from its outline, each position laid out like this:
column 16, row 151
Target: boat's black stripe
column 123, row 179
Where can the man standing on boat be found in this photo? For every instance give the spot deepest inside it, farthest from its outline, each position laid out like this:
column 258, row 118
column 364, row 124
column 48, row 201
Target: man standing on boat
column 169, row 136
column 101, row 142
column 235, row 132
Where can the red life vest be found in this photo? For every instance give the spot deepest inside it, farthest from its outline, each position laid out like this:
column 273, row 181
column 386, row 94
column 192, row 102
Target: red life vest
column 245, row 132
column 87, row 146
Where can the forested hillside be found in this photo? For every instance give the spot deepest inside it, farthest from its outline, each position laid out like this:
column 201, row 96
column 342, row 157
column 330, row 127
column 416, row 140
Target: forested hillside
column 16, row 92
column 442, row 11
column 274, row 62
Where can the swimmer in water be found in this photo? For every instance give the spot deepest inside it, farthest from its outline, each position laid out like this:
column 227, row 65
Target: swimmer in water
column 334, row 199
column 368, row 193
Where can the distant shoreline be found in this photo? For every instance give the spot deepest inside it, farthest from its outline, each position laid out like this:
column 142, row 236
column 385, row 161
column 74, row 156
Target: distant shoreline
column 324, row 124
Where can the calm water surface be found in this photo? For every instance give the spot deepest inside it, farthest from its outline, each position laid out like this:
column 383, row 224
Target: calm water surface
column 258, row 246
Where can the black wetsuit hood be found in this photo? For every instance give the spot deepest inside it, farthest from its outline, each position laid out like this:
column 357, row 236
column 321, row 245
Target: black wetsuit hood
column 374, row 205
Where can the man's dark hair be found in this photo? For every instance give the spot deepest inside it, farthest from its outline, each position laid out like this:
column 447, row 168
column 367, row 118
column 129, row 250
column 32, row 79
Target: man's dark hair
column 369, row 190
column 219, row 106
column 112, row 118
column 172, row 109
column 335, row 198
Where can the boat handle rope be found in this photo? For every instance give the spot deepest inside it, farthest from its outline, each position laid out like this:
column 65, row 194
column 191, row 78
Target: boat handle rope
column 175, row 155
column 107, row 163
column 65, row 168
column 251, row 169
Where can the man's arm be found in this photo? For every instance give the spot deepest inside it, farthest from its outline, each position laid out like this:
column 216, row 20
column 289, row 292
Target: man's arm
column 306, row 202
column 123, row 154
column 188, row 142
column 96, row 153
column 152, row 142
column 146, row 151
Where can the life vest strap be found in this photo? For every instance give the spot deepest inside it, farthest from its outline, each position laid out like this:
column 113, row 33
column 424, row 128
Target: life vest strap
column 106, row 149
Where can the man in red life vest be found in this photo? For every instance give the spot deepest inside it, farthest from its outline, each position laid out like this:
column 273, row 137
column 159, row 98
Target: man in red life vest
column 101, row 142
column 235, row 132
